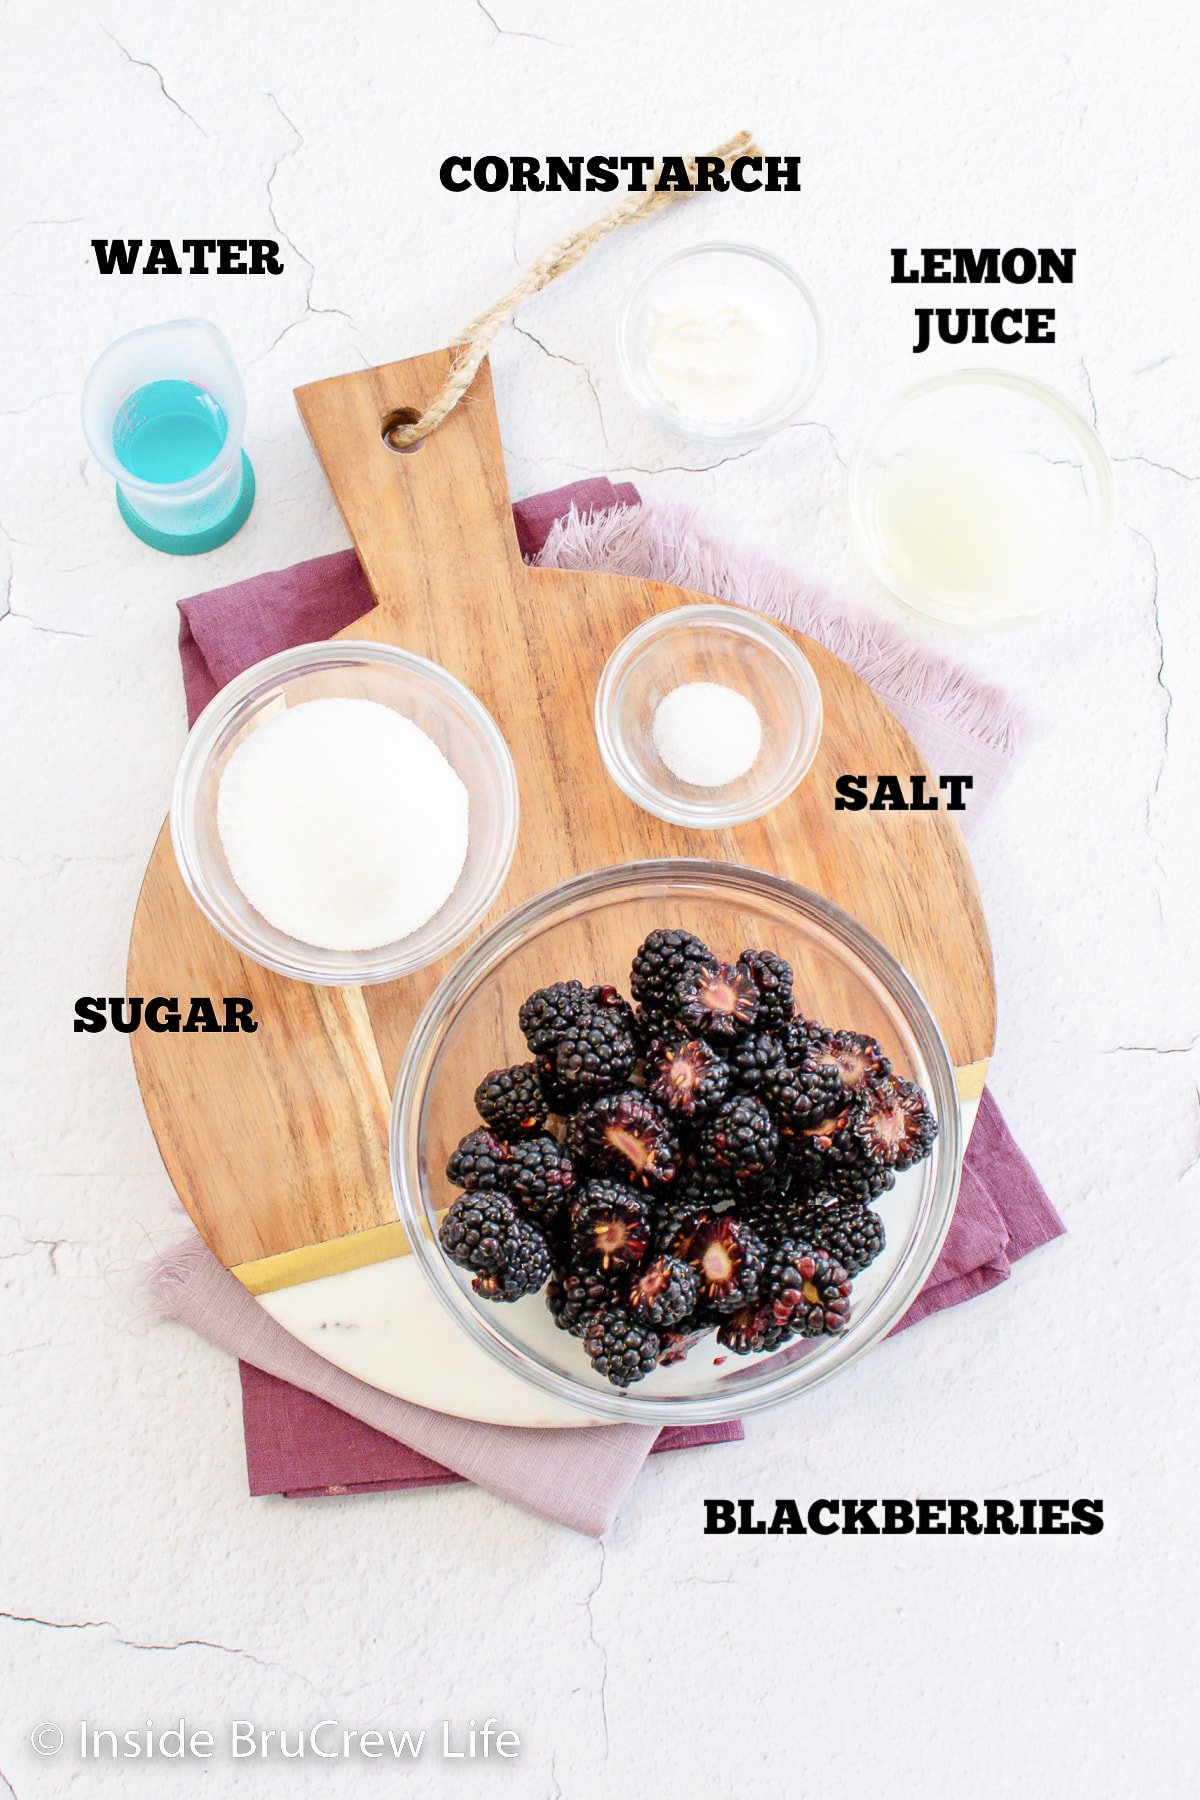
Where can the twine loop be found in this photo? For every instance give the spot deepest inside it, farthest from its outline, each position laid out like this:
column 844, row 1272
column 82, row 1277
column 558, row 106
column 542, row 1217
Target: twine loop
column 405, row 433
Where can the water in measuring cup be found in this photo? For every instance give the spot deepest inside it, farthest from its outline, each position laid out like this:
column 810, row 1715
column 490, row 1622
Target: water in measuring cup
column 168, row 431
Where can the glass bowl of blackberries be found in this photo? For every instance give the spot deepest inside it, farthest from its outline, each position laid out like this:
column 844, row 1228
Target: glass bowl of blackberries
column 676, row 1141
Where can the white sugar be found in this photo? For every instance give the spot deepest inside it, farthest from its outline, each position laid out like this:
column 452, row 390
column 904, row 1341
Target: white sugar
column 707, row 735
column 343, row 824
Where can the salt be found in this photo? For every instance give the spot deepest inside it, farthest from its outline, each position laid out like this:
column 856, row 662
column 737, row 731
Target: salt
column 343, row 824
column 707, row 734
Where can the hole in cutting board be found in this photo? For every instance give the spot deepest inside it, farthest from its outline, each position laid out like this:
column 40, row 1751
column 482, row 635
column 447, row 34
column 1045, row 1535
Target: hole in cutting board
column 400, row 415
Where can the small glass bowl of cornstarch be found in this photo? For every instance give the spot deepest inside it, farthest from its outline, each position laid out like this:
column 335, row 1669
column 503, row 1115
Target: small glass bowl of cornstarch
column 708, row 716
column 345, row 812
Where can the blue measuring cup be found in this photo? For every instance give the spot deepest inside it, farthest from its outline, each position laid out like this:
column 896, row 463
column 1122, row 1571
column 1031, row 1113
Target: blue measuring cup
column 164, row 411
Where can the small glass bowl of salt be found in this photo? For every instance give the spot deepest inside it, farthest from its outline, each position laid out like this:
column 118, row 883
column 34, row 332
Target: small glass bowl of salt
column 708, row 716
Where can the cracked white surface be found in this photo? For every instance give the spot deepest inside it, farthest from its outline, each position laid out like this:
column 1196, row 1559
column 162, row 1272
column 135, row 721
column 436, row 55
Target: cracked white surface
column 137, row 1579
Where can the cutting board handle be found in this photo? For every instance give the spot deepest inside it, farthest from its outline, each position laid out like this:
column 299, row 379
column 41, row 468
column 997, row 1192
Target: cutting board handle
column 431, row 522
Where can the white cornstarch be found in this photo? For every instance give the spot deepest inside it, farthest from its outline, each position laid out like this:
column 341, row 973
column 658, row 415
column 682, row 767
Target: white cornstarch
column 717, row 358
column 707, row 735
column 343, row 823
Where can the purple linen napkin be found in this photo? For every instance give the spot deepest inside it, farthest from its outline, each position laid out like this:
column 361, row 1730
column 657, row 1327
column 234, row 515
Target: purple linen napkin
column 304, row 1448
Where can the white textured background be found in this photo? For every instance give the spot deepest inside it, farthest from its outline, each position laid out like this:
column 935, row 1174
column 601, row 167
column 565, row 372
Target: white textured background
column 137, row 1580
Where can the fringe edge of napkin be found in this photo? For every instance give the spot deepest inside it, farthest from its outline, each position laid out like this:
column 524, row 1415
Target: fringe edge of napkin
column 667, row 541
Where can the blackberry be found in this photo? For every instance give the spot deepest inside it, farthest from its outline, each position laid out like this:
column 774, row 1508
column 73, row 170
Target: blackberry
column 827, row 1154
column 627, row 1135
column 575, row 1294
column 776, row 1212
column 718, row 1001
column 536, row 1171
column 595, row 1055
column 772, row 976
column 704, row 1188
column 808, row 1289
column 511, row 1101
column 539, row 1174
column 477, row 1163
column 729, row 1258
column 476, row 1230
column 663, row 1292
column 673, row 1211
column 621, row 1347
column 609, row 1225
column 860, row 1182
column 895, row 1123
column 857, row 1059
column 525, row 1266
column 752, row 1059
column 741, row 1138
column 545, row 1015
column 660, row 963
column 800, row 1090
column 750, row 1329
column 852, row 1233
column 689, row 1077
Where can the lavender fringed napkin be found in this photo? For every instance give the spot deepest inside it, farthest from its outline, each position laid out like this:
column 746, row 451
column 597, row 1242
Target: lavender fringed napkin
column 309, row 1427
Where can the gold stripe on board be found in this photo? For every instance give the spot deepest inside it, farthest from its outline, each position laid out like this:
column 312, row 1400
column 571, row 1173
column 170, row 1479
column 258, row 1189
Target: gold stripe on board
column 970, row 1079
column 290, row 1268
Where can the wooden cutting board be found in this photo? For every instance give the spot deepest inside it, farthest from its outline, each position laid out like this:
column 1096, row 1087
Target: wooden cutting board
column 277, row 1141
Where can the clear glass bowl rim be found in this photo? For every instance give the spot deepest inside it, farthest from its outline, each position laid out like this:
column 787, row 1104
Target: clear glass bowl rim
column 371, row 967
column 1041, row 391
column 707, row 815
column 743, row 1397
column 646, row 399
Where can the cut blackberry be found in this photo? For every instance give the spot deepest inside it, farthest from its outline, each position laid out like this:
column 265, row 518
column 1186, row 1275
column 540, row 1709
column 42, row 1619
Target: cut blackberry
column 751, row 1328
column 858, row 1060
column 659, row 965
column 663, row 1292
column 717, row 1001
column 626, row 1135
column 477, row 1162
column 808, row 1289
column 751, row 1060
column 511, row 1101
column 852, row 1233
column 575, row 1294
column 729, row 1258
column 800, row 1090
column 895, row 1123
column 525, row 1266
column 610, row 1226
column 620, row 1347
column 595, row 1055
column 688, row 1077
column 545, row 1015
column 772, row 976
column 476, row 1230
column 741, row 1139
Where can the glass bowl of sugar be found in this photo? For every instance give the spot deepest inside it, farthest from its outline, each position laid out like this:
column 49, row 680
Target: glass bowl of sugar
column 980, row 499
column 708, row 716
column 345, row 812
